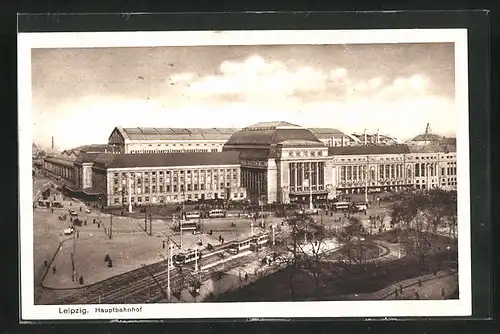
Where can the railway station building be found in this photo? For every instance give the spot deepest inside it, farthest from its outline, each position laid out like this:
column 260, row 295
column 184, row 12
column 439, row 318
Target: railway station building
column 265, row 162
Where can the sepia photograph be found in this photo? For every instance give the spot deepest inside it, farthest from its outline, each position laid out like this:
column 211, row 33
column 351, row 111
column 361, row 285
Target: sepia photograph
column 196, row 174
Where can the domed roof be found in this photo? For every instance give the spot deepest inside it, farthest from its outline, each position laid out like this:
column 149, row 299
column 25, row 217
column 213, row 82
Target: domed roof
column 268, row 133
column 428, row 136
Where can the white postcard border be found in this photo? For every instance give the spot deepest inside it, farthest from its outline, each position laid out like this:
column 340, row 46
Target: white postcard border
column 460, row 307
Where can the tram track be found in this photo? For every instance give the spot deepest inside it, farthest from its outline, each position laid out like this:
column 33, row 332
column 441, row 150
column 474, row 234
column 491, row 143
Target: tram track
column 136, row 286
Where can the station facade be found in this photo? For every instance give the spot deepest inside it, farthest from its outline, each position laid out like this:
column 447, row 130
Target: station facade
column 271, row 162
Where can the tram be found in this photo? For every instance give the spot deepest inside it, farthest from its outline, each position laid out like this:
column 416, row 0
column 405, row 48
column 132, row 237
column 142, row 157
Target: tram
column 185, row 258
column 217, row 214
column 192, row 215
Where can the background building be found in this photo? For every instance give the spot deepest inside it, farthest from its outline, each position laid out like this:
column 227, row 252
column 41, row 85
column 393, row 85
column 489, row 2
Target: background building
column 169, row 140
column 375, row 139
column 168, row 178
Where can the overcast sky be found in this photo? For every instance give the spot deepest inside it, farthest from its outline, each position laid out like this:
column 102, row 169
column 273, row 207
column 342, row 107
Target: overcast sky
column 80, row 95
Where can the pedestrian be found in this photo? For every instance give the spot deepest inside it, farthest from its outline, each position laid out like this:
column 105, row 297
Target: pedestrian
column 163, row 244
column 442, row 292
column 222, row 240
column 419, row 282
column 417, row 296
column 80, row 209
column 85, row 222
column 80, row 280
column 52, row 210
column 246, row 277
column 45, row 263
column 54, row 269
column 78, row 234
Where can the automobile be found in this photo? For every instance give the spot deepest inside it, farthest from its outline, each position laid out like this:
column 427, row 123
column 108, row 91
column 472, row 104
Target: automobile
column 361, row 206
column 309, row 212
column 87, row 210
column 69, row 230
column 73, row 213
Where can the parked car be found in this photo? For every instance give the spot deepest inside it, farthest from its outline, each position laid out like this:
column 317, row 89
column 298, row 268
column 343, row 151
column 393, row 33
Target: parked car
column 73, row 213
column 87, row 210
column 70, row 230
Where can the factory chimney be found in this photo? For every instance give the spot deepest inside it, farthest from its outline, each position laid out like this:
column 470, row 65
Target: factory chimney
column 378, row 136
column 52, row 142
column 364, row 136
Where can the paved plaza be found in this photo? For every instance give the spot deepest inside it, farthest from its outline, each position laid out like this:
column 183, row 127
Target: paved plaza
column 129, row 248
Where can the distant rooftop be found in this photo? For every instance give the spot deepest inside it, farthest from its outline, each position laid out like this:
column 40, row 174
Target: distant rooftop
column 175, row 133
column 368, row 150
column 167, row 159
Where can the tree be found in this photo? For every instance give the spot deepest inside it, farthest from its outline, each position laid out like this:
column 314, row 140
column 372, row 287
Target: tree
column 314, row 251
column 418, row 216
column 302, row 243
column 350, row 239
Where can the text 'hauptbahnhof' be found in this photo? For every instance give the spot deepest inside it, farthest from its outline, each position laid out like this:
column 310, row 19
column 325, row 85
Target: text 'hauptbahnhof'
column 273, row 162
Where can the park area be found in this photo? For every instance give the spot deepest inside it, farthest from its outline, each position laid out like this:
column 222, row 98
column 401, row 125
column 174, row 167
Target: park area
column 341, row 281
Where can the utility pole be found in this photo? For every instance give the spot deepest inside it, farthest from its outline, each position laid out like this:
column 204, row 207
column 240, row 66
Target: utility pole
column 309, row 185
column 73, row 256
column 145, row 221
column 196, row 259
column 129, row 194
column 262, row 210
column 150, row 224
column 272, row 226
column 169, row 263
column 366, row 179
column 111, row 226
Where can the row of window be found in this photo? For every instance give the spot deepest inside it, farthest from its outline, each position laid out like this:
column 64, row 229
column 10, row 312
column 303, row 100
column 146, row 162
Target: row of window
column 188, row 144
column 348, row 173
column 148, row 199
column 176, row 188
column 394, row 158
column 175, row 173
column 306, row 154
column 176, row 178
column 181, row 179
column 175, row 151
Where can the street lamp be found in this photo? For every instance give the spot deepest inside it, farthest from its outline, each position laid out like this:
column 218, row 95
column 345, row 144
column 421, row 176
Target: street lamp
column 308, row 183
column 365, row 170
column 427, row 170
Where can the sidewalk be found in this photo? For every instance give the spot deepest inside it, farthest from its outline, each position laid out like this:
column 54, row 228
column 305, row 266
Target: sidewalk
column 389, row 292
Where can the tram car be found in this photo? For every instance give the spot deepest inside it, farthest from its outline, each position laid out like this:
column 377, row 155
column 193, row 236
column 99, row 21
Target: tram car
column 261, row 240
column 186, row 258
column 239, row 246
column 217, row 214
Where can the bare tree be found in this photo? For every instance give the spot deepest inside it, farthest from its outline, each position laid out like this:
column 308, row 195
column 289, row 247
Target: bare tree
column 314, row 250
column 417, row 216
column 350, row 237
